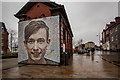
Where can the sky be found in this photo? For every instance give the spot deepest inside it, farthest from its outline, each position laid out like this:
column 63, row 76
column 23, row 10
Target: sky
column 87, row 19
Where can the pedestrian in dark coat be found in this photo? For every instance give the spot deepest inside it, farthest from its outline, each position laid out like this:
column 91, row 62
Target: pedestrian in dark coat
column 92, row 50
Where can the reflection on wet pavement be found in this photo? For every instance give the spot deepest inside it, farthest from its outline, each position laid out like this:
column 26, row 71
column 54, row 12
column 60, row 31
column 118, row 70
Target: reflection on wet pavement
column 82, row 66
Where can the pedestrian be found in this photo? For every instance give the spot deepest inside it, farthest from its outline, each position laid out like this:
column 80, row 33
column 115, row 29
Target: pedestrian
column 92, row 50
column 88, row 50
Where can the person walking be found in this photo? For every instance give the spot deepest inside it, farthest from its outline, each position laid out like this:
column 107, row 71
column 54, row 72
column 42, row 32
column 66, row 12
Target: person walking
column 93, row 50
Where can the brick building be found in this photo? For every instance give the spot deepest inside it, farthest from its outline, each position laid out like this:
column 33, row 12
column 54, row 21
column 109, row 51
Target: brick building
column 110, row 36
column 4, row 38
column 34, row 10
column 106, row 38
column 89, row 45
column 115, row 35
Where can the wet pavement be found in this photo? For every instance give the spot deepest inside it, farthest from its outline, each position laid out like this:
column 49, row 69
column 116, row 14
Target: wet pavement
column 113, row 57
column 82, row 66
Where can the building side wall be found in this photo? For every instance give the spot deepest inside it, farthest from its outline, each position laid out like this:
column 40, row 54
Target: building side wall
column 0, row 38
column 103, row 37
column 65, row 38
column 114, row 38
column 4, row 42
column 118, row 31
column 106, row 43
column 37, row 10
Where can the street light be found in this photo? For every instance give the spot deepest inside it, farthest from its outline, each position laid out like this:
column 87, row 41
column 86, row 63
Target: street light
column 98, row 38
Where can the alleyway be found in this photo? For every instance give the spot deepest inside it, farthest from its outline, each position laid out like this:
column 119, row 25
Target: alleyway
column 82, row 66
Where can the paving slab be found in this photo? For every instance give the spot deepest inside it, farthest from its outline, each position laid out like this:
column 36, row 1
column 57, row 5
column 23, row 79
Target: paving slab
column 82, row 66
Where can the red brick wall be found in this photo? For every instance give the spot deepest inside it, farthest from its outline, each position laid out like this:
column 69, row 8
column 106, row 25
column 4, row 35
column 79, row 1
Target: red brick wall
column 4, row 41
column 36, row 12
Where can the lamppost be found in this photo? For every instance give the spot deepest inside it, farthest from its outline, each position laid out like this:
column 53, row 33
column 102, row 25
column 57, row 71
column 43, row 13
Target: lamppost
column 99, row 38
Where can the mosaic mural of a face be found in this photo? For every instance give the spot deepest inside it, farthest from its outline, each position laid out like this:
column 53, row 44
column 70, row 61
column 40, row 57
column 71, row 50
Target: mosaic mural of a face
column 36, row 41
column 39, row 43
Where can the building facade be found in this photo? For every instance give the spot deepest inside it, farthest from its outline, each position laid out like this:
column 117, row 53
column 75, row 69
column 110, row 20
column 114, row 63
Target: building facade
column 89, row 45
column 81, row 47
column 35, row 10
column 110, row 36
column 4, row 38
column 106, row 38
column 114, row 35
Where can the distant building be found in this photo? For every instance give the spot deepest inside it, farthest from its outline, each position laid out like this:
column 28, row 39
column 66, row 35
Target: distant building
column 34, row 10
column 81, row 47
column 106, row 38
column 3, row 38
column 89, row 45
column 115, row 35
column 110, row 36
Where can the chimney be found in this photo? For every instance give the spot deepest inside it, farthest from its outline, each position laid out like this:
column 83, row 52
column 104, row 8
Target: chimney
column 117, row 19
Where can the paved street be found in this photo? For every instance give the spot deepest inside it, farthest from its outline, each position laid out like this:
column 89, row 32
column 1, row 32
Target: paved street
column 82, row 66
column 113, row 57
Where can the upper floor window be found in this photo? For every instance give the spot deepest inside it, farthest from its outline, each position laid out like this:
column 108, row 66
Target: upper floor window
column 116, row 38
column 42, row 15
column 38, row 5
column 112, row 39
column 63, row 34
column 111, row 32
column 116, row 29
column 67, row 37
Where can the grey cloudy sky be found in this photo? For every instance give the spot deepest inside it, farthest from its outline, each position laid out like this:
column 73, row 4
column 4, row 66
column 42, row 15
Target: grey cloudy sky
column 87, row 19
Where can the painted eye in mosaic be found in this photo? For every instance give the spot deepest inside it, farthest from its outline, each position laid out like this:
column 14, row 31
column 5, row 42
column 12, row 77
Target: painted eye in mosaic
column 41, row 40
column 31, row 41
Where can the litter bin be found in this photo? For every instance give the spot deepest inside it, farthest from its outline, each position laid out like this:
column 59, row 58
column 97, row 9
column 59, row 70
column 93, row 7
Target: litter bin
column 66, row 58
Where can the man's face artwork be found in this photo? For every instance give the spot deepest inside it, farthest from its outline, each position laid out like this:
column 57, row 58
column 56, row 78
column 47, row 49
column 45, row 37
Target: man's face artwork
column 37, row 44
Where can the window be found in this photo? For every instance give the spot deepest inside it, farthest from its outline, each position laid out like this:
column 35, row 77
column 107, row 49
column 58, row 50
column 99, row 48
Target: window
column 38, row 5
column 2, row 38
column 116, row 38
column 116, row 29
column 2, row 44
column 112, row 39
column 63, row 34
column 111, row 32
column 42, row 15
column 67, row 37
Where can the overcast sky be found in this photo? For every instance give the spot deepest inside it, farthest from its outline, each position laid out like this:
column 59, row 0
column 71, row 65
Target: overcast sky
column 87, row 19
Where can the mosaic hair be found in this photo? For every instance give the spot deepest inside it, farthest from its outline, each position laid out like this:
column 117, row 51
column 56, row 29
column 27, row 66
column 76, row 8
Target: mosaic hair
column 33, row 27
